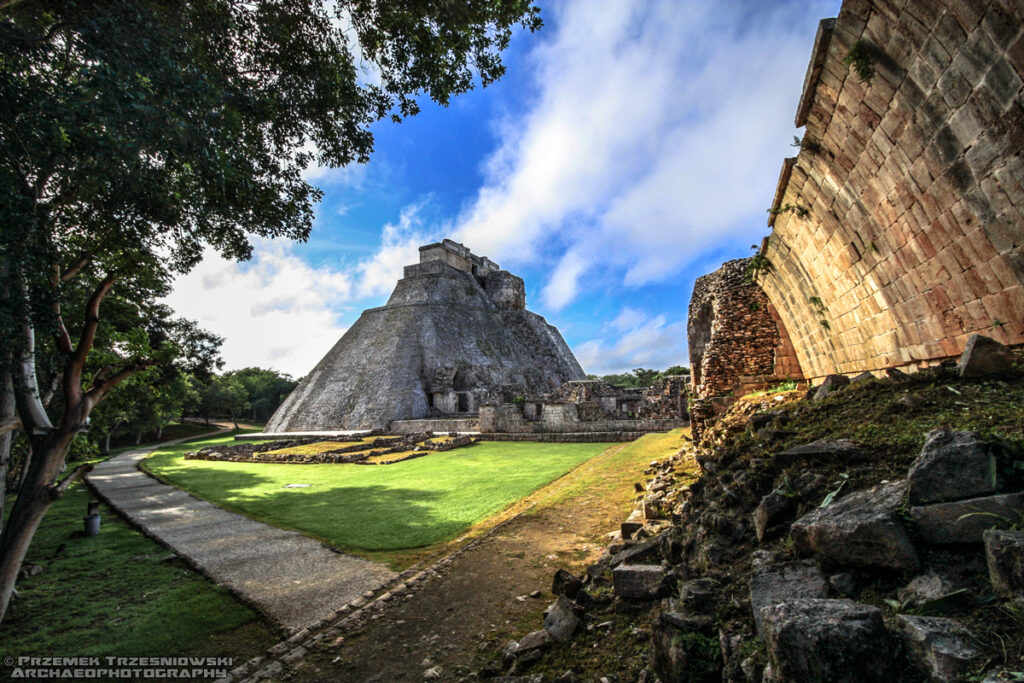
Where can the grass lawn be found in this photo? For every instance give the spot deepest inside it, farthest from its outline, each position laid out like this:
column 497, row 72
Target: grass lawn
column 112, row 595
column 373, row 509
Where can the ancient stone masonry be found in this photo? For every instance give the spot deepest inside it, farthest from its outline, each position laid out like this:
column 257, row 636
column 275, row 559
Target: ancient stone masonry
column 454, row 332
column 898, row 230
column 589, row 410
column 736, row 342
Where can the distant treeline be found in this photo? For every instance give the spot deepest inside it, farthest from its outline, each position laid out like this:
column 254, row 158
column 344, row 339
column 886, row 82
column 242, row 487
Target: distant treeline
column 641, row 377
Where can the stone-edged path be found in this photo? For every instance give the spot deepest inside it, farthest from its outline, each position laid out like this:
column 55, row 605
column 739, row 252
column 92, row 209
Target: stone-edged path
column 294, row 580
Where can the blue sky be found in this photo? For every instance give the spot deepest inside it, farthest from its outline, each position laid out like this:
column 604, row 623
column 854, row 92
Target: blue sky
column 630, row 148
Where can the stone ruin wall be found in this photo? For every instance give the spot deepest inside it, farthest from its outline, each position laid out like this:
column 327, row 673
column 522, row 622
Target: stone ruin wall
column 913, row 184
column 736, row 342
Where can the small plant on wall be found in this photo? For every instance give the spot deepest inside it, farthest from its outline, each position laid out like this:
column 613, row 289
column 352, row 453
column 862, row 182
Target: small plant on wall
column 859, row 57
column 800, row 211
column 758, row 264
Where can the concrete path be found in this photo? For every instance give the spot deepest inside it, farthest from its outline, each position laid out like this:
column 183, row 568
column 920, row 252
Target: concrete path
column 294, row 580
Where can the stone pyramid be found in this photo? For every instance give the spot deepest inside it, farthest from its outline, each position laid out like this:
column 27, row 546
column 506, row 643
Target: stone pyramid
column 454, row 335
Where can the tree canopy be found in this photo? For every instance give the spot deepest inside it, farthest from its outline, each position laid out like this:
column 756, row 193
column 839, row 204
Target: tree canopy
column 135, row 134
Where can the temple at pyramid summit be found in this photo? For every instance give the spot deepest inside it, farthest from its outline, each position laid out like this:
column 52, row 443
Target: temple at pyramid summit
column 454, row 349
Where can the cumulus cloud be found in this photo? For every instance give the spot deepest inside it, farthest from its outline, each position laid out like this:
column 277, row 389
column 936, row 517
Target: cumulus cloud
column 657, row 133
column 644, row 342
column 399, row 247
column 274, row 312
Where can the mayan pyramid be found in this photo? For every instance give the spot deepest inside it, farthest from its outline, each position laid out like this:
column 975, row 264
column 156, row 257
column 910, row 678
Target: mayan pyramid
column 455, row 334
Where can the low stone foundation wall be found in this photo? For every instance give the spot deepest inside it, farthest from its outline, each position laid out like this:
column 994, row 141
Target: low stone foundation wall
column 469, row 424
column 564, row 437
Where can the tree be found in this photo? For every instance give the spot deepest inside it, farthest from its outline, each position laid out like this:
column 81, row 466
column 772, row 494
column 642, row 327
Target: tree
column 136, row 134
column 266, row 389
column 225, row 395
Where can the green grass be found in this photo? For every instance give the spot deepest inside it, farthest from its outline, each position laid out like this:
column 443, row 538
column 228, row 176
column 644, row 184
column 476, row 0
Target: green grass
column 112, row 595
column 369, row 509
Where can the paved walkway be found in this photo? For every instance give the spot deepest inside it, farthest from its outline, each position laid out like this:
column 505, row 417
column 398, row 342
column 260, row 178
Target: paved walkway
column 294, row 580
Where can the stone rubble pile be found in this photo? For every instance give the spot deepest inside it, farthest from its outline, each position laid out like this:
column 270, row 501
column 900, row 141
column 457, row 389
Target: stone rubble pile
column 861, row 582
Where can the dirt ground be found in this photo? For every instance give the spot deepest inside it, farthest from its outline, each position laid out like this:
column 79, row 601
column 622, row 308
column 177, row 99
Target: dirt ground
column 459, row 619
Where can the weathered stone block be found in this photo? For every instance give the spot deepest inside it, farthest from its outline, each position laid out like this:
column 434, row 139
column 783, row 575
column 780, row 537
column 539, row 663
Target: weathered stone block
column 826, row 640
column 771, row 584
column 1004, row 553
column 938, row 647
column 862, row 529
column 562, row 619
column 830, row 385
column 965, row 521
column 772, row 515
column 535, row 640
column 566, row 583
column 951, row 465
column 837, row 450
column 984, row 356
column 682, row 649
column 638, row 581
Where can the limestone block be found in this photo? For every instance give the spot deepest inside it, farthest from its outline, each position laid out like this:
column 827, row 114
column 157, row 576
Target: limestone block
column 830, row 385
column 938, row 647
column 771, row 584
column 951, row 465
column 984, row 356
column 772, row 515
column 826, row 640
column 1004, row 553
column 861, row 529
column 638, row 581
column 965, row 521
column 678, row 649
column 562, row 619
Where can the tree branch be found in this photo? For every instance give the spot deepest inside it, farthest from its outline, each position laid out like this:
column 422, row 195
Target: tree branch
column 92, row 321
column 58, row 490
column 100, row 389
column 10, row 424
column 72, row 270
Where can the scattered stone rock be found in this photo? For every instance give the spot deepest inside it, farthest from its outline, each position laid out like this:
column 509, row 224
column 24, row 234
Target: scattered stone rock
column 844, row 584
column 638, row 581
column 965, row 521
column 984, row 356
column 862, row 377
column 535, row 640
column 897, row 375
column 1004, row 552
column 830, row 385
column 30, row 570
column 683, row 650
column 562, row 619
column 432, row 674
column 840, row 641
column 567, row 584
column 861, row 529
column 633, row 524
column 699, row 595
column 771, row 584
column 952, row 465
column 823, row 450
column 924, row 588
column 938, row 647
column 772, row 515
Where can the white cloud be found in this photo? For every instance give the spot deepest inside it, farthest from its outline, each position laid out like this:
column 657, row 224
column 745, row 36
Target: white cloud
column 274, row 312
column 399, row 247
column 644, row 342
column 657, row 132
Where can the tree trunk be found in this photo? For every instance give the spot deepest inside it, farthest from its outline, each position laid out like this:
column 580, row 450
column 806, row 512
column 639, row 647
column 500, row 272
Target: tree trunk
column 7, row 411
column 159, row 432
column 34, row 498
column 106, row 442
column 234, row 419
